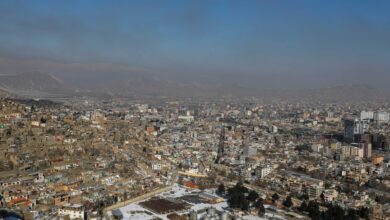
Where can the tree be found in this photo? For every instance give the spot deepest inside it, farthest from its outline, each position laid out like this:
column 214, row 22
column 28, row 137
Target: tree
column 261, row 210
column 238, row 188
column 288, row 203
column 303, row 207
column 221, row 189
column 275, row 197
column 43, row 120
column 245, row 205
column 322, row 196
column 304, row 197
column 352, row 214
column 314, row 210
column 258, row 203
column 252, row 196
column 364, row 212
column 234, row 201
column 334, row 212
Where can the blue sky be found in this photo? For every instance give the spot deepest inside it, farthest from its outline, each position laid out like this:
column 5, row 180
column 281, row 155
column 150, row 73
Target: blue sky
column 258, row 43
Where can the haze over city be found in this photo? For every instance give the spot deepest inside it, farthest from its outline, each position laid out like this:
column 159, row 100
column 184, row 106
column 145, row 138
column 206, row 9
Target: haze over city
column 262, row 44
column 194, row 110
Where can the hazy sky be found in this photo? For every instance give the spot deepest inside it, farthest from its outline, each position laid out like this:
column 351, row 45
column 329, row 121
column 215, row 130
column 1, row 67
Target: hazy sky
column 257, row 43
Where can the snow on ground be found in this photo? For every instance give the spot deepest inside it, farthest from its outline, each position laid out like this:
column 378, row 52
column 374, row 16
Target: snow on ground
column 299, row 216
column 252, row 217
column 281, row 211
column 135, row 211
column 274, row 216
column 219, row 206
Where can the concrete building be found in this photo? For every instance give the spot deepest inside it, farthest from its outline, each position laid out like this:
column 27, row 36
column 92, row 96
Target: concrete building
column 367, row 149
column 367, row 115
column 263, row 171
column 381, row 117
column 314, row 191
column 354, row 127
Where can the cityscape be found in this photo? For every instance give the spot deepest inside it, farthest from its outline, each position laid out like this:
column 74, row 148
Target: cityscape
column 183, row 110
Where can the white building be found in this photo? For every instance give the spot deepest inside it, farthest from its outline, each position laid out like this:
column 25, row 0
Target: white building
column 74, row 211
column 263, row 171
column 360, row 127
column 381, row 117
column 273, row 129
column 156, row 166
column 317, row 147
column 367, row 115
column 186, row 118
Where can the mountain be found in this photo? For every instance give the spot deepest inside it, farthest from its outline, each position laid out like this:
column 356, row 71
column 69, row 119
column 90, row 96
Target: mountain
column 42, row 85
column 34, row 85
column 142, row 87
column 4, row 94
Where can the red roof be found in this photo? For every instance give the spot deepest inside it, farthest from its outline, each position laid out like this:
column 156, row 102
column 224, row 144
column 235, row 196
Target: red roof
column 18, row 200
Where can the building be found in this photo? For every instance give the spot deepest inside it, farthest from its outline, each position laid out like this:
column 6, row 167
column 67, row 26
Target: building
column 348, row 130
column 263, row 171
column 352, row 152
column 314, row 191
column 354, row 127
column 74, row 211
column 367, row 149
column 156, row 166
column 381, row 117
column 360, row 127
column 367, row 115
column 250, row 151
column 273, row 129
column 377, row 158
column 61, row 199
column 317, row 147
column 330, row 195
column 211, row 198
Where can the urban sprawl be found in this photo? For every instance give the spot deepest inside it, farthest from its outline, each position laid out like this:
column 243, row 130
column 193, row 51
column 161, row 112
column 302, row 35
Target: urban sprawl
column 194, row 160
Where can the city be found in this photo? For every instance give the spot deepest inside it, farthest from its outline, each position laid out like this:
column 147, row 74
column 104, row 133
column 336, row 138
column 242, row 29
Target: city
column 172, row 160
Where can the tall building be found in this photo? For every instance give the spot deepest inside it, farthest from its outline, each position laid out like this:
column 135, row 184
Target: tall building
column 360, row 127
column 367, row 115
column 367, row 149
column 377, row 116
column 354, row 127
column 349, row 130
column 352, row 152
column 381, row 117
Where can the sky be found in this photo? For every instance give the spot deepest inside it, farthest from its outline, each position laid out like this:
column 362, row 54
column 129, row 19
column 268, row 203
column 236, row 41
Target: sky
column 270, row 44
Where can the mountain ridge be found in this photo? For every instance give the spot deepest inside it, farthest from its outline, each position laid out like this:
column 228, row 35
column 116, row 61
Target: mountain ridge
column 43, row 85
